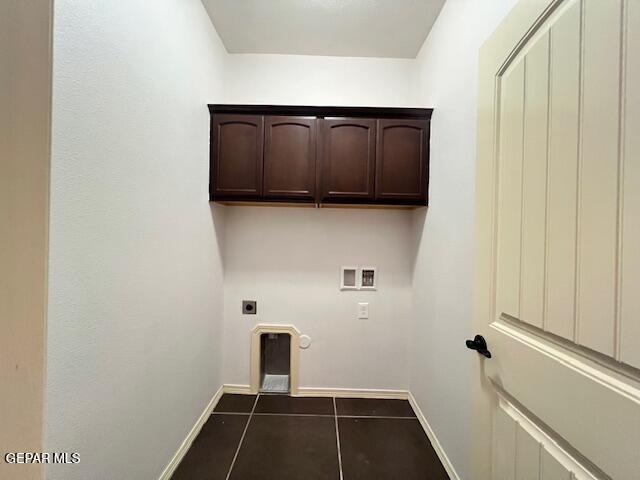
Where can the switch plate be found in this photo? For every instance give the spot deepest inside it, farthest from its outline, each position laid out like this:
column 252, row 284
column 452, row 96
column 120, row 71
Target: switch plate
column 363, row 311
column 249, row 307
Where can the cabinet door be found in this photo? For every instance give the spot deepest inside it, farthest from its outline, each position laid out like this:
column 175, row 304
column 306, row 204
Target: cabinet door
column 402, row 161
column 347, row 158
column 290, row 158
column 236, row 156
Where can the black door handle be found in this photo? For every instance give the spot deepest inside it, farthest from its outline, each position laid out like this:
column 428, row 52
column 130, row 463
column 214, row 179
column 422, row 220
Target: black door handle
column 479, row 344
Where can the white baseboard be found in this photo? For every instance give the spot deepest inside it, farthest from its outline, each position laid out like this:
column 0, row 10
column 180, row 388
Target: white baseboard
column 352, row 392
column 235, row 388
column 448, row 466
column 330, row 392
column 191, row 436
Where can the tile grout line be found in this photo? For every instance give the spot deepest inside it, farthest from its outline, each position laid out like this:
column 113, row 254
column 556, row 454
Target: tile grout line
column 388, row 417
column 335, row 413
column 246, row 427
column 232, row 413
column 267, row 414
column 293, row 414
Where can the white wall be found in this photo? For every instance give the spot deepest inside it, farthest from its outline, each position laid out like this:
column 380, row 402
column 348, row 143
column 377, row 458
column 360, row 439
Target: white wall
column 441, row 366
column 289, row 259
column 135, row 335
column 316, row 80
column 135, row 278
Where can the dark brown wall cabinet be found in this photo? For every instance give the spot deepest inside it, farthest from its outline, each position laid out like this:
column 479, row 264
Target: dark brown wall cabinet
column 289, row 158
column 236, row 156
column 345, row 155
column 402, row 160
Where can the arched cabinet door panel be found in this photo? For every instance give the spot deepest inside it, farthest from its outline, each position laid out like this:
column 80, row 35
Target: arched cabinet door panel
column 347, row 158
column 402, row 161
column 236, row 156
column 290, row 158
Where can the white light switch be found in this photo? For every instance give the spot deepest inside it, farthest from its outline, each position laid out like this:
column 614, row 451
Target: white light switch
column 363, row 311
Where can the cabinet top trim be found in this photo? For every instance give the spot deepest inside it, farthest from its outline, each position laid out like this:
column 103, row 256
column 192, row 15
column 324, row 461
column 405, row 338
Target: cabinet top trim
column 325, row 111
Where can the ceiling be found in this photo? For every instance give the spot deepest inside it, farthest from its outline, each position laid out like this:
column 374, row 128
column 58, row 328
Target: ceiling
column 359, row 28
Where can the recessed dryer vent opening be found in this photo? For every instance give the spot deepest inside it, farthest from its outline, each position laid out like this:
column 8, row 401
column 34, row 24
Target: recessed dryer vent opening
column 275, row 362
column 275, row 357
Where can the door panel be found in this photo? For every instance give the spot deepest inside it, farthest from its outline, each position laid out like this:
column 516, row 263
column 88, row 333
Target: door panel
column 630, row 198
column 528, row 451
column 347, row 158
column 290, row 157
column 402, row 158
column 558, row 227
column 236, row 147
column 585, row 405
column 598, row 170
column 504, row 451
column 582, row 177
column 564, row 107
column 552, row 469
column 525, row 452
column 510, row 198
column 534, row 186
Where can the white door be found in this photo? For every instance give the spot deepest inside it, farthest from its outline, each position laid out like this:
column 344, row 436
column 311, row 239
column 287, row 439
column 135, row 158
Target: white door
column 557, row 292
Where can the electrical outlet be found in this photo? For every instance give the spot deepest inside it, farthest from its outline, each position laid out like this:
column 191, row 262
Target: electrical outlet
column 249, row 307
column 363, row 311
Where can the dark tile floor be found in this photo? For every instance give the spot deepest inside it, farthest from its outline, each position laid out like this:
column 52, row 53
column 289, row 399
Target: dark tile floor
column 269, row 437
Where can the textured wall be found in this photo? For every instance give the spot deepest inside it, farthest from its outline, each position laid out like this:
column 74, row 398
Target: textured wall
column 316, row 80
column 289, row 259
column 440, row 365
column 135, row 282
